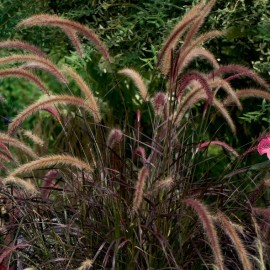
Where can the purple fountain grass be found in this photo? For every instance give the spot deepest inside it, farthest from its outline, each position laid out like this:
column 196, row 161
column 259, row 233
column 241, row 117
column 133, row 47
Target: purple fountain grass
column 209, row 228
column 139, row 152
column 75, row 41
column 40, row 62
column 43, row 104
column 87, row 92
column 119, row 200
column 220, row 83
column 192, row 98
column 5, row 138
column 54, row 20
column 40, row 66
column 16, row 44
column 248, row 93
column 52, row 160
column 53, row 112
column 236, row 240
column 159, row 103
column 115, row 137
column 5, row 157
column 48, row 183
column 240, row 72
column 19, row 73
column 189, row 101
column 164, row 57
column 219, row 106
column 201, row 53
column 139, row 189
column 161, row 185
column 183, row 54
column 197, row 24
column 194, row 76
column 27, row 187
column 33, row 137
column 5, row 148
column 219, row 143
column 138, row 81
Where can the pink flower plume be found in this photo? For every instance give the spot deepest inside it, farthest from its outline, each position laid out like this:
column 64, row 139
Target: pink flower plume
column 264, row 146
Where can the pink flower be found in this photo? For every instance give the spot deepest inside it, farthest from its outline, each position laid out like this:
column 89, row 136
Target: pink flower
column 264, row 146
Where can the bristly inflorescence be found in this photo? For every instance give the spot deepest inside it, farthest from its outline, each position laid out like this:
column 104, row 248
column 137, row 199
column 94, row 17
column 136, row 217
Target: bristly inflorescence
column 121, row 193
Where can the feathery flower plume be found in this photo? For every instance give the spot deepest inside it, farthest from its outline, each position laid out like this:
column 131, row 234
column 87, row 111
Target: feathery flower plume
column 5, row 138
column 86, row 265
column 16, row 44
column 236, row 240
column 5, row 148
column 33, row 137
column 248, row 93
column 5, row 157
column 53, row 112
column 209, row 228
column 195, row 96
column 162, row 185
column 139, row 152
column 51, row 161
column 138, row 196
column 183, row 54
column 54, row 20
column 219, row 143
column 220, row 83
column 138, row 81
column 192, row 98
column 87, row 92
column 48, row 183
column 188, row 78
column 19, row 73
column 46, row 68
column 40, row 62
column 260, row 256
column 171, row 41
column 240, row 72
column 75, row 41
column 27, row 186
column 198, row 52
column 159, row 102
column 198, row 23
column 44, row 103
column 114, row 137
column 219, row 106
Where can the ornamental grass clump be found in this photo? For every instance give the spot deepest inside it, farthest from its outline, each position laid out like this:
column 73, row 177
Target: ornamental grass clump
column 156, row 191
